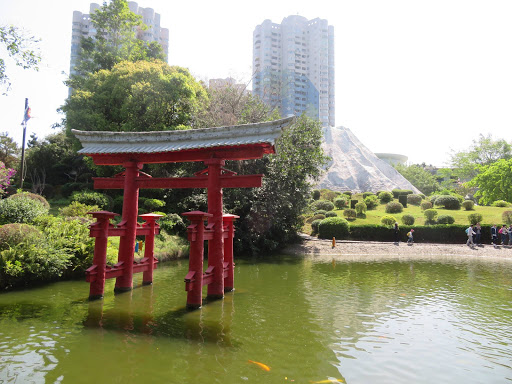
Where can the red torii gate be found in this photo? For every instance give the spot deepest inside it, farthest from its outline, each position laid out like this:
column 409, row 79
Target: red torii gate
column 212, row 146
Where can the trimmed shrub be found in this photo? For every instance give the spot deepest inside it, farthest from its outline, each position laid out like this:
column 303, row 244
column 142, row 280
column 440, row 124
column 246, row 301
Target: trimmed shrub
column 475, row 218
column 468, row 205
column 371, row 202
column 414, row 199
column 402, row 199
column 400, row 192
column 173, row 224
column 320, row 212
column 32, row 196
column 153, row 204
column 425, row 205
column 430, row 215
column 93, row 198
column 360, row 208
column 333, row 227
column 353, row 203
column 67, row 189
column 329, row 195
column 385, row 197
column 507, row 217
column 330, row 214
column 394, row 207
column 348, row 193
column 23, row 209
column 314, row 226
column 408, row 219
column 449, row 202
column 366, row 194
column 388, row 220
column 325, row 205
column 315, row 194
column 15, row 233
column 350, row 213
column 76, row 209
column 500, row 203
column 313, row 218
column 445, row 219
column 341, row 202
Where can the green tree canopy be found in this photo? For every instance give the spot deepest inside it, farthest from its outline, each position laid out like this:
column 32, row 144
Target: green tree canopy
column 139, row 96
column 494, row 181
column 420, row 178
column 9, row 150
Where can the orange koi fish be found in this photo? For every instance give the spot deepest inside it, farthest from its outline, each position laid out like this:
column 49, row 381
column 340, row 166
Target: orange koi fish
column 261, row 365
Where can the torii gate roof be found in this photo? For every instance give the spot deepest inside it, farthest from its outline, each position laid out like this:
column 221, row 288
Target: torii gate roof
column 188, row 145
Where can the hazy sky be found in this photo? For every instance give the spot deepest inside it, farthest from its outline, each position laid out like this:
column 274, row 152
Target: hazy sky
column 418, row 78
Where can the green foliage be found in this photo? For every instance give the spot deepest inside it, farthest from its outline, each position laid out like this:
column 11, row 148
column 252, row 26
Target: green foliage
column 394, row 207
column 507, row 217
column 360, row 208
column 501, row 203
column 408, row 219
column 468, row 205
column 9, row 150
column 385, row 197
column 419, row 177
column 316, row 217
column 104, row 202
column 371, row 201
column 315, row 194
column 430, row 215
column 15, row 233
column 448, row 202
column 76, row 209
column 325, row 205
column 153, row 204
column 341, row 202
column 348, row 193
column 320, row 212
column 21, row 209
column 366, row 194
column 173, row 224
column 33, row 196
column 445, row 219
column 475, row 218
column 314, row 226
column 333, row 227
column 331, row 214
column 388, row 220
column 350, row 213
column 494, row 182
column 414, row 199
column 400, row 192
column 425, row 205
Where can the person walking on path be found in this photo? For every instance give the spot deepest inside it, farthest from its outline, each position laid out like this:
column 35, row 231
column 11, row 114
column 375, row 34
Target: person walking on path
column 478, row 236
column 470, row 232
column 494, row 235
column 397, row 233
column 410, row 238
column 510, row 235
column 503, row 235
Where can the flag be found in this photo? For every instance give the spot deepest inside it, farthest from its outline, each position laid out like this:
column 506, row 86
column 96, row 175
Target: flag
column 27, row 116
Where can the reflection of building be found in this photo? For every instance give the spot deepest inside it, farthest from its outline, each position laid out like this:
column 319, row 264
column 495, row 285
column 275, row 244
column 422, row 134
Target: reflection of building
column 83, row 27
column 392, row 158
column 293, row 63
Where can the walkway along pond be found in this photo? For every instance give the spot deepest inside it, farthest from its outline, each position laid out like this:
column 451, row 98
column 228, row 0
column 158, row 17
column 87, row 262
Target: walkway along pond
column 390, row 321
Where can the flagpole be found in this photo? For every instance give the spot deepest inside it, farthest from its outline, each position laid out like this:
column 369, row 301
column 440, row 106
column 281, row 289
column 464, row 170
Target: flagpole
column 23, row 145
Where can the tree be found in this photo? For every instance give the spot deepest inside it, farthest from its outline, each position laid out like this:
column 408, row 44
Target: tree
column 21, row 48
column 115, row 41
column 419, row 177
column 140, row 96
column 9, row 150
column 485, row 151
column 494, row 181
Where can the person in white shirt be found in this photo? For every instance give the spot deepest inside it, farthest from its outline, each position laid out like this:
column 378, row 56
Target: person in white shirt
column 470, row 233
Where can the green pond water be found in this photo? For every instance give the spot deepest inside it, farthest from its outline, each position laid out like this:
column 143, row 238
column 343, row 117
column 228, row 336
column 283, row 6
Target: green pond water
column 393, row 321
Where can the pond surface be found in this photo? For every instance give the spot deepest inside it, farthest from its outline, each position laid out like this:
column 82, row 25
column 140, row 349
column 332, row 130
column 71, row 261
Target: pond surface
column 395, row 321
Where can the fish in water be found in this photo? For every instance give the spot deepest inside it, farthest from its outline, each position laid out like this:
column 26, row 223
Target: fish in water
column 261, row 365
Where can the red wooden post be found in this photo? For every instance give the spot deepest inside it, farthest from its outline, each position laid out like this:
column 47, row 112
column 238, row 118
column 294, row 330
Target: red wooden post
column 96, row 274
column 229, row 265
column 194, row 278
column 129, row 223
column 150, row 219
column 216, row 245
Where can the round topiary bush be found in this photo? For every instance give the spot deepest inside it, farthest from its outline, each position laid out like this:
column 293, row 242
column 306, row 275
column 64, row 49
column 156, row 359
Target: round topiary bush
column 371, row 201
column 414, row 199
column 507, row 217
column 426, row 205
column 350, row 213
column 153, row 204
column 468, row 205
column 348, row 193
column 360, row 208
column 93, row 198
column 445, row 219
column 314, row 226
column 408, row 219
column 341, row 202
column 388, row 220
column 76, row 209
column 366, row 194
column 500, row 203
column 22, row 209
column 449, row 202
column 385, row 197
column 475, row 218
column 32, row 196
column 315, row 194
column 320, row 212
column 333, row 227
column 15, row 233
column 315, row 217
column 330, row 214
column 430, row 215
column 325, row 205
column 394, row 207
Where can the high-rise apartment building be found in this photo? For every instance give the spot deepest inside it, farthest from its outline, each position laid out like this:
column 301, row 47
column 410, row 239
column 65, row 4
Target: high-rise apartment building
column 83, row 27
column 293, row 66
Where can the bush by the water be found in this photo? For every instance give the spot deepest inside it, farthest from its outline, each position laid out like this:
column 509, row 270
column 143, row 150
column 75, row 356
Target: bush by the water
column 15, row 233
column 22, row 209
column 173, row 224
column 468, row 205
column 394, row 207
column 475, row 218
column 447, row 201
column 333, row 227
column 408, row 219
column 388, row 220
column 314, row 226
column 445, row 219
column 325, row 205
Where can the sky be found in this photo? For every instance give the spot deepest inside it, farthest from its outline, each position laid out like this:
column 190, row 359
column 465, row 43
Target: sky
column 413, row 77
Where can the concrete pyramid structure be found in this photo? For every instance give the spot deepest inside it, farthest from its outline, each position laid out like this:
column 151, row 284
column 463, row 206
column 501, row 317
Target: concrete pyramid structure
column 355, row 168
